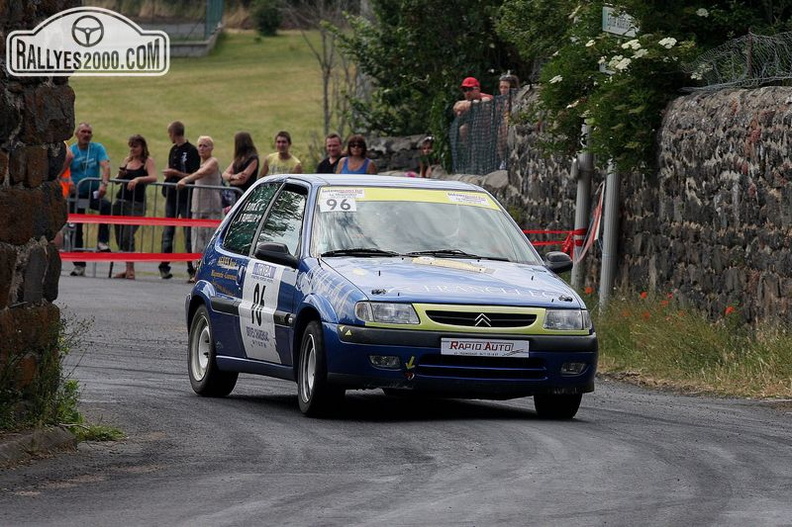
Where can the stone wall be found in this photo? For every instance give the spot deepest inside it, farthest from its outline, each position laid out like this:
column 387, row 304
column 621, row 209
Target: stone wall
column 713, row 224
column 36, row 116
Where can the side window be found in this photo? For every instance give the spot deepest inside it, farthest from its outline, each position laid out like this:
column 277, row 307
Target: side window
column 239, row 237
column 284, row 223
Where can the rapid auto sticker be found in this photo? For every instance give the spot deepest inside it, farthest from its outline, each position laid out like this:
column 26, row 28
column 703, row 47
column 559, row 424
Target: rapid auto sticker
column 256, row 312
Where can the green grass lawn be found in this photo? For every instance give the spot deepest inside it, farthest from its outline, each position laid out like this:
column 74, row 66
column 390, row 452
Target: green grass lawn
column 250, row 83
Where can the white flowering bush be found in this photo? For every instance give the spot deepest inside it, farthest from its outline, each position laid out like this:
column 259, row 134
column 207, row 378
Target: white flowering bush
column 621, row 85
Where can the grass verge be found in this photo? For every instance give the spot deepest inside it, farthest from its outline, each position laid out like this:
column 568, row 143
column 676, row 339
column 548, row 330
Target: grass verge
column 655, row 340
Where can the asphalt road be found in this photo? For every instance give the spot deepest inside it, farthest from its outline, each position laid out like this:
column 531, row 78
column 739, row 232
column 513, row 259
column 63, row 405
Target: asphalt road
column 632, row 457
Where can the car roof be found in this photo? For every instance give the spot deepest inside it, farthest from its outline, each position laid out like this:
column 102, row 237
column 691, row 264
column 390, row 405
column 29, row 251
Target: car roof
column 322, row 180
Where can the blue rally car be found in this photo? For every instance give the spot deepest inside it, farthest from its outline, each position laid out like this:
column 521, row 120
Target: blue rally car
column 409, row 285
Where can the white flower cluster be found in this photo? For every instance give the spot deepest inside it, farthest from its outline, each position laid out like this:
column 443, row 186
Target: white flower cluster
column 556, row 79
column 703, row 13
column 619, row 63
column 632, row 44
column 668, row 42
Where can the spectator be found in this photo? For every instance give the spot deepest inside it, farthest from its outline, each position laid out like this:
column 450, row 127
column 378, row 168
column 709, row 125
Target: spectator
column 183, row 160
column 206, row 203
column 89, row 161
column 471, row 91
column 333, row 147
column 469, row 123
column 355, row 160
column 427, row 158
column 281, row 162
column 67, row 187
column 138, row 169
column 242, row 171
column 508, row 84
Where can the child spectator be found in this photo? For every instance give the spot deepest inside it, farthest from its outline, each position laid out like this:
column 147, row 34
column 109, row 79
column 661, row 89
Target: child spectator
column 427, row 158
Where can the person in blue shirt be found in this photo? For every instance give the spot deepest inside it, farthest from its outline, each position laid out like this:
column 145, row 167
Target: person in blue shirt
column 355, row 160
column 89, row 164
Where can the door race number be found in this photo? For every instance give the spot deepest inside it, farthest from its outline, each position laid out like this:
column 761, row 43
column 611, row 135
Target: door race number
column 258, row 304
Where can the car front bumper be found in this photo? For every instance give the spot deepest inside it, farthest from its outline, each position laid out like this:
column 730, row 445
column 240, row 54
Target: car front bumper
column 422, row 367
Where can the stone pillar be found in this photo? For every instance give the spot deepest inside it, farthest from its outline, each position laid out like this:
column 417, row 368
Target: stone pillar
column 36, row 116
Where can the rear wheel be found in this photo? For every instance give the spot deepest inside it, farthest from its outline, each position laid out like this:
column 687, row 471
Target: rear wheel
column 316, row 396
column 205, row 377
column 557, row 406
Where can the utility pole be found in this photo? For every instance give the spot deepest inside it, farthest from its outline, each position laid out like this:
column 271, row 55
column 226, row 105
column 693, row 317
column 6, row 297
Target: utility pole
column 610, row 243
column 583, row 170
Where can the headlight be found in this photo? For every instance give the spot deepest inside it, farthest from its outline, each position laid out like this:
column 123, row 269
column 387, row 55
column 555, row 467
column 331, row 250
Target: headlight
column 567, row 319
column 386, row 313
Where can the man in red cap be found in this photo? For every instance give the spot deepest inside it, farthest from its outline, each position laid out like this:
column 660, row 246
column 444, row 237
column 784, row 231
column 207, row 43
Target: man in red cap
column 471, row 90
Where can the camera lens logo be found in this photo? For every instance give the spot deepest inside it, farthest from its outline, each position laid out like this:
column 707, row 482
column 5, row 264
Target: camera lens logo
column 87, row 31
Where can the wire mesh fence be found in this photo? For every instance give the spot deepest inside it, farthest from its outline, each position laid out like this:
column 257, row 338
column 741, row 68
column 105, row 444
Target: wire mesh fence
column 478, row 136
column 747, row 61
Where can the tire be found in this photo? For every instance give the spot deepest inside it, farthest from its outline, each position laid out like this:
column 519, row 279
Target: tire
column 557, row 406
column 205, row 378
column 317, row 397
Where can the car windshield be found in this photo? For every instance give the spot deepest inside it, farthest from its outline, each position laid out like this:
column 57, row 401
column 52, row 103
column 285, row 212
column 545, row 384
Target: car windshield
column 376, row 221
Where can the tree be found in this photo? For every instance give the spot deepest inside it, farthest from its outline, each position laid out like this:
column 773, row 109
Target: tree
column 338, row 76
column 416, row 52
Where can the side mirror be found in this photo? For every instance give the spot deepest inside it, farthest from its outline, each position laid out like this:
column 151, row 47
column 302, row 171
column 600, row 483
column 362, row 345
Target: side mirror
column 558, row 262
column 276, row 253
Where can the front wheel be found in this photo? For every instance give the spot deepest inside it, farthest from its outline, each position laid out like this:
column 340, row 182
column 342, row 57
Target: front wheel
column 557, row 406
column 205, row 377
column 316, row 396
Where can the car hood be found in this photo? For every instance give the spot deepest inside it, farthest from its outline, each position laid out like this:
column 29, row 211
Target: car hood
column 456, row 281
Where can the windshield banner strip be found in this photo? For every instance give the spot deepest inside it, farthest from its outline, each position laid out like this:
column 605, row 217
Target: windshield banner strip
column 457, row 197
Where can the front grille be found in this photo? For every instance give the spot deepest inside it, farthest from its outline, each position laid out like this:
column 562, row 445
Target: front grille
column 481, row 319
column 481, row 368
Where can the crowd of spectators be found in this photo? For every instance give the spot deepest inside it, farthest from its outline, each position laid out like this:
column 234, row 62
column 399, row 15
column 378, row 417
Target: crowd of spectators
column 86, row 176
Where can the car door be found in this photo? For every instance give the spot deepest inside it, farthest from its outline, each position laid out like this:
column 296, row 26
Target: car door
column 268, row 295
column 234, row 249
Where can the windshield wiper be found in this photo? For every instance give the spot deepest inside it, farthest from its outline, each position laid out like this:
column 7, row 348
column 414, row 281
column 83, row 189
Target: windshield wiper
column 455, row 253
column 360, row 251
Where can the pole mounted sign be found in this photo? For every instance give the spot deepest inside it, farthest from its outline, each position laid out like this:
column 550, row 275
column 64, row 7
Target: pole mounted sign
column 623, row 25
column 87, row 41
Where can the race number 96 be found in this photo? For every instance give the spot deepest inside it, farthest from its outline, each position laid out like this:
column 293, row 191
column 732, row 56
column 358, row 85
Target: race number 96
column 332, row 204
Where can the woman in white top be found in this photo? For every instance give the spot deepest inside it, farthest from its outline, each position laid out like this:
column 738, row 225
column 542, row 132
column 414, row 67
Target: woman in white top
column 206, row 203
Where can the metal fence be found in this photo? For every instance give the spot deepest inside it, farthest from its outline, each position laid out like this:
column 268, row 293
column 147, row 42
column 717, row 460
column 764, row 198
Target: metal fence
column 747, row 61
column 148, row 238
column 478, row 137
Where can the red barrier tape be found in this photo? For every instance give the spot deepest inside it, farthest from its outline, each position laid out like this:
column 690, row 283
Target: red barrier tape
column 128, row 257
column 567, row 244
column 141, row 220
column 91, row 256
